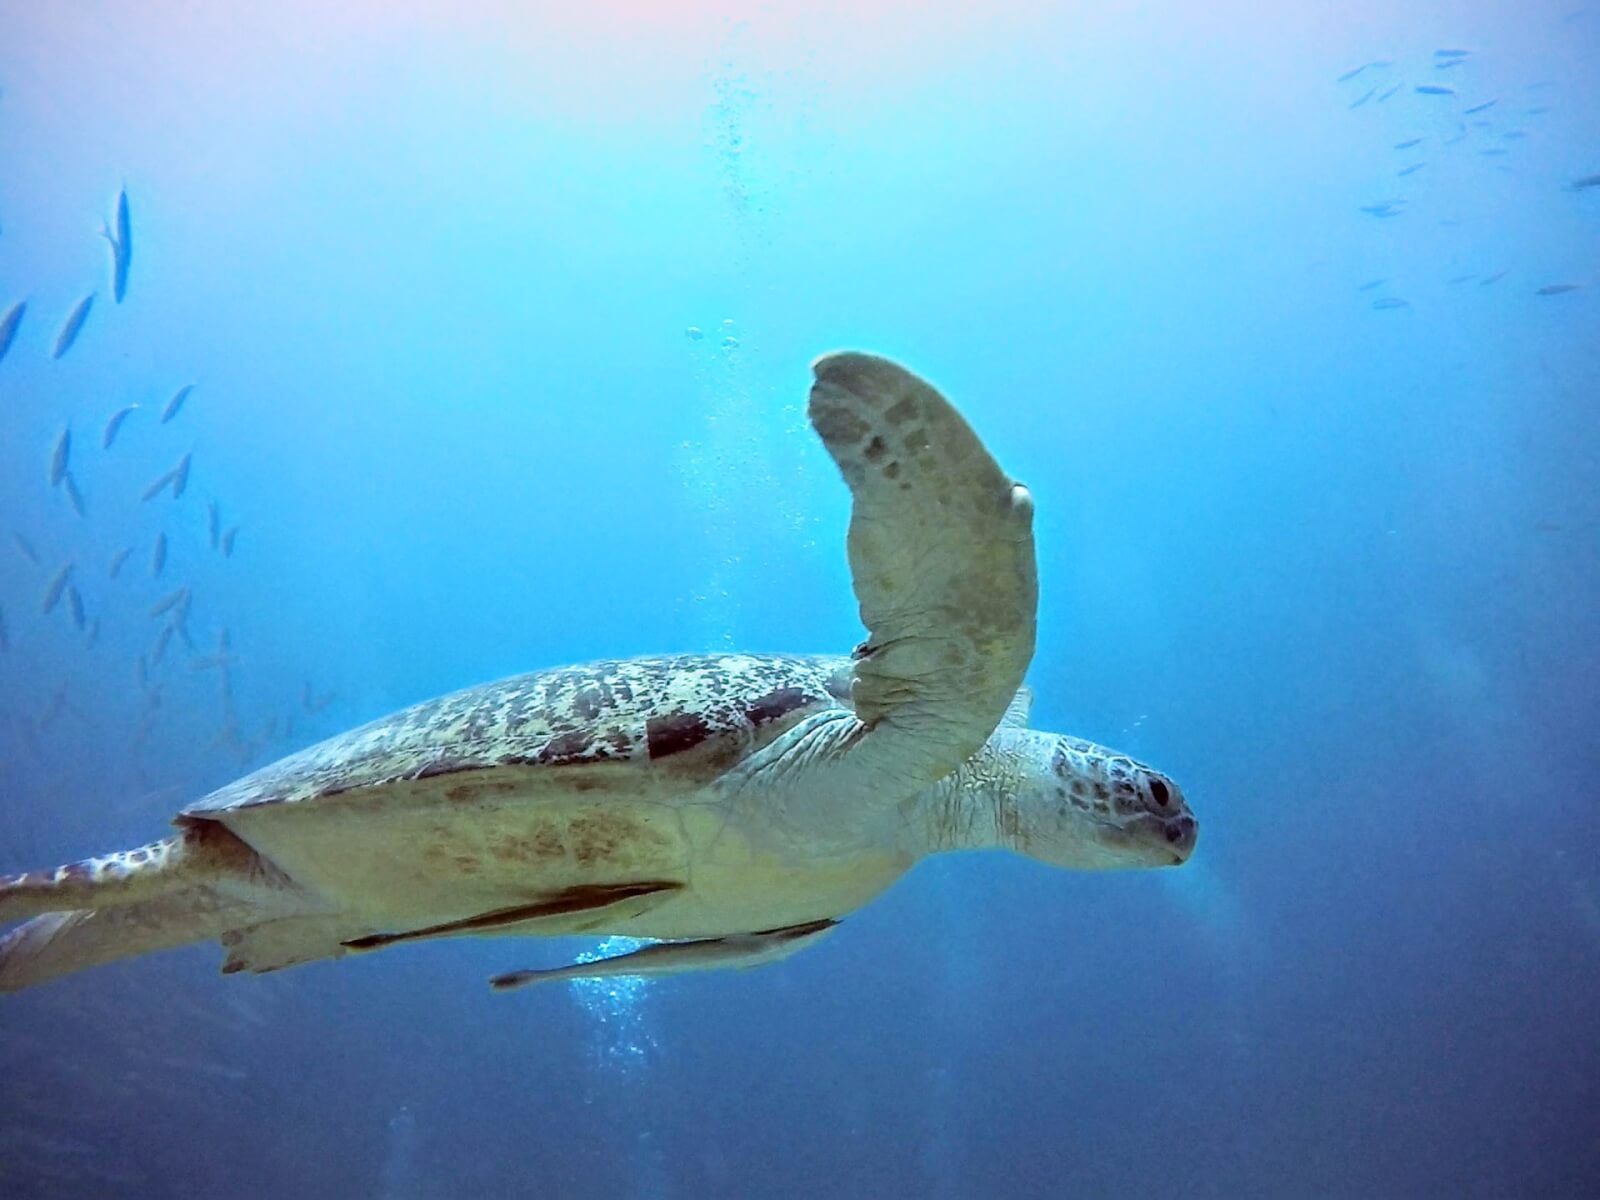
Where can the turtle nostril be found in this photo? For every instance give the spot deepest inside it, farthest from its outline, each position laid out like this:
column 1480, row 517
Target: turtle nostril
column 1175, row 832
column 1159, row 791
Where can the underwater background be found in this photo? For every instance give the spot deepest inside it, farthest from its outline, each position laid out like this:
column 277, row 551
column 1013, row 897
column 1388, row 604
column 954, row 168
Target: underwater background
column 498, row 319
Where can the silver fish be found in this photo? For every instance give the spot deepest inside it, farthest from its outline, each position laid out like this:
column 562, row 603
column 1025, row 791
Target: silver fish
column 737, row 950
column 24, row 545
column 114, row 424
column 1390, row 302
column 1363, row 98
column 74, row 496
column 180, row 476
column 114, row 568
column 213, row 522
column 9, row 324
column 169, row 602
column 1451, row 53
column 121, row 248
column 1385, row 95
column 1411, row 170
column 73, row 326
column 1588, row 181
column 158, row 556
column 1370, row 284
column 227, row 541
column 60, row 456
column 1434, row 89
column 1557, row 289
column 173, row 405
column 1478, row 108
column 1495, row 278
column 160, row 648
column 75, row 606
column 1408, row 143
column 160, row 485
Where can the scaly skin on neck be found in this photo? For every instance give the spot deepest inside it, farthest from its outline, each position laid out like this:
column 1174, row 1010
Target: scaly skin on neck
column 976, row 806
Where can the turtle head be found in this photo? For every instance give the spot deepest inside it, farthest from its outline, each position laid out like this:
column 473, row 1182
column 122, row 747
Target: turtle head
column 1083, row 806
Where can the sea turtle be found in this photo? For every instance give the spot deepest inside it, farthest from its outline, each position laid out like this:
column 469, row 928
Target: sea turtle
column 734, row 805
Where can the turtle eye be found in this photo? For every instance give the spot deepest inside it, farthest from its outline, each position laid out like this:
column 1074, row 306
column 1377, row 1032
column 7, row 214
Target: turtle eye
column 1159, row 791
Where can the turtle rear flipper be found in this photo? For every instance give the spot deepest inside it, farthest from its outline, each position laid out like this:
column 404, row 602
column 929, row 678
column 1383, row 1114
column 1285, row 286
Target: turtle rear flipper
column 59, row 943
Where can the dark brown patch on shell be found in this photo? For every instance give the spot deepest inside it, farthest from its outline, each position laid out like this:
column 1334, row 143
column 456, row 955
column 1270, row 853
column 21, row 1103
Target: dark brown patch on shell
column 776, row 704
column 666, row 736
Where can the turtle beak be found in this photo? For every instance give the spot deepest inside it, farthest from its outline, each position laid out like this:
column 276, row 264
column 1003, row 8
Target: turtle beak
column 1168, row 841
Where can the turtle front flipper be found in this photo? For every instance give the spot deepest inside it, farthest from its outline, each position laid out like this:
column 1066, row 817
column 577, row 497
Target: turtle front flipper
column 737, row 951
column 942, row 560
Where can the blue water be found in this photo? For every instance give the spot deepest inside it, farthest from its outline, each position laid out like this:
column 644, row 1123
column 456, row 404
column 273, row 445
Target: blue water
column 1331, row 560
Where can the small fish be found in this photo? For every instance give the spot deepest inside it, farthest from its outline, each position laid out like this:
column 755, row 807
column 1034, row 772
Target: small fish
column 115, row 567
column 160, row 648
column 1411, row 170
column 170, row 601
column 1537, row 110
column 1433, row 89
column 1448, row 63
column 51, row 596
column 1557, row 289
column 59, row 457
column 313, row 703
column 1363, row 98
column 1588, row 181
column 1390, row 302
column 75, row 606
column 158, row 556
column 141, row 672
column 1451, row 53
column 1478, row 108
column 115, row 424
column 213, row 522
column 1385, row 95
column 1408, row 143
column 1514, row 135
column 1370, row 284
column 737, row 951
column 1493, row 152
column 156, row 488
column 121, row 247
column 1495, row 278
column 9, row 324
column 180, row 476
column 173, row 405
column 227, row 541
column 73, row 326
column 74, row 496
column 1389, row 208
column 1345, row 78
column 94, row 632
column 24, row 545
column 1462, row 279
